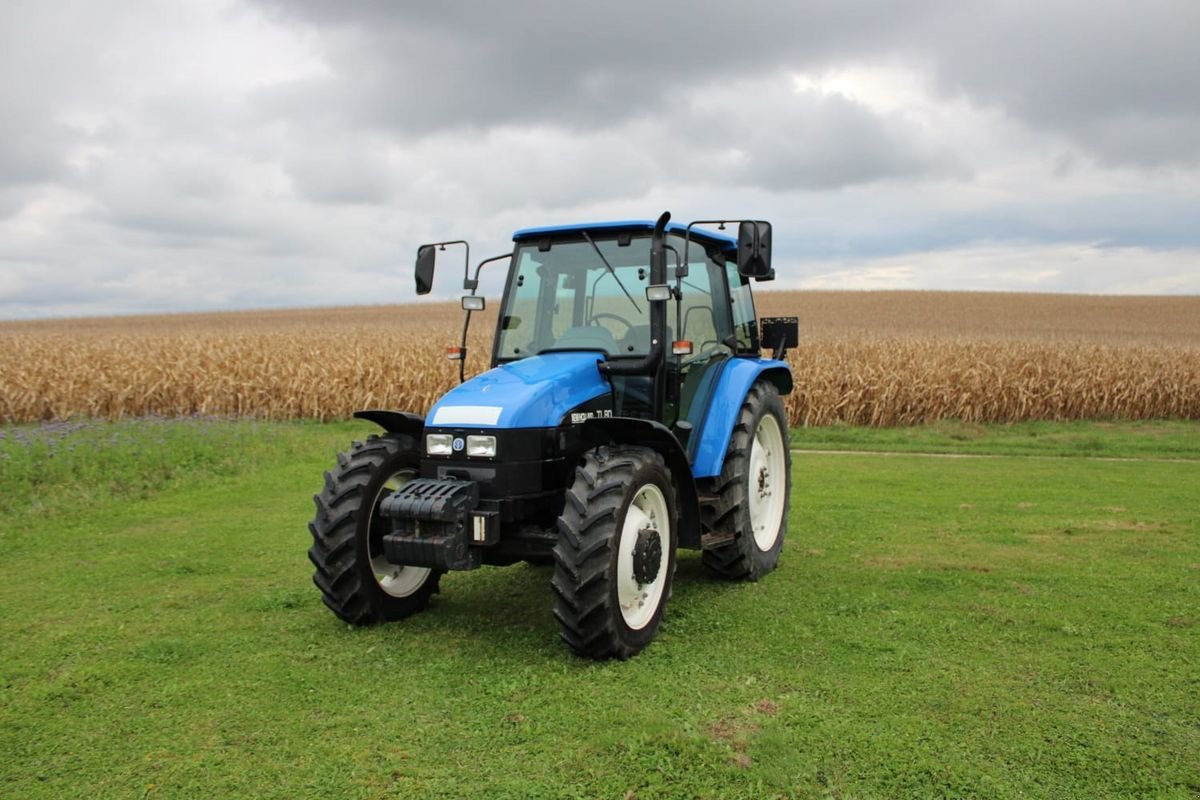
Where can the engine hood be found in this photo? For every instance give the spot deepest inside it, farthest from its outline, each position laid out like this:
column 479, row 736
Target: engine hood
column 534, row 392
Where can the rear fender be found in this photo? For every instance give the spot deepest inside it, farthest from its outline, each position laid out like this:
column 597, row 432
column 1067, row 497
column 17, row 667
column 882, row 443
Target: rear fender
column 394, row 421
column 736, row 379
column 647, row 433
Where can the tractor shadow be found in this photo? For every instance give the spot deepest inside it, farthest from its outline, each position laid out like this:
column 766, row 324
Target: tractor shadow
column 496, row 611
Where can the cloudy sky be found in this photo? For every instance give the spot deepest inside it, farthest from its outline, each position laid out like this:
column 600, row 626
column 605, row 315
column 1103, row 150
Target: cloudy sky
column 207, row 154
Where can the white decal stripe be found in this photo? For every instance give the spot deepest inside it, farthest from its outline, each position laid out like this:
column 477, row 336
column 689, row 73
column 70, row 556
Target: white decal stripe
column 467, row 415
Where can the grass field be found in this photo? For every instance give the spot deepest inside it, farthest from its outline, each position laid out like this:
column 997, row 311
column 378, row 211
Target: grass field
column 865, row 358
column 1023, row 625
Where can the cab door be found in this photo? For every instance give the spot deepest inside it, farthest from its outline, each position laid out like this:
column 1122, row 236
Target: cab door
column 705, row 319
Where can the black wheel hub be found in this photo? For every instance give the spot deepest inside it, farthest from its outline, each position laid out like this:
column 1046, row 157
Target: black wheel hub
column 647, row 555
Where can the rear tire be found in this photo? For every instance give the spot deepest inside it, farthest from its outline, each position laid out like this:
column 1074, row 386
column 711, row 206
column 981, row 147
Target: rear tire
column 752, row 491
column 356, row 581
column 615, row 556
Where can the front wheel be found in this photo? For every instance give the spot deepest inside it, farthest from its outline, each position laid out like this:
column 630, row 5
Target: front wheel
column 751, row 494
column 615, row 556
column 356, row 580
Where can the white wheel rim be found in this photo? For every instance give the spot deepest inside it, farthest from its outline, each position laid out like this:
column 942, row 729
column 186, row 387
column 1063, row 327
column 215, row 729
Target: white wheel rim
column 395, row 580
column 767, row 482
column 640, row 601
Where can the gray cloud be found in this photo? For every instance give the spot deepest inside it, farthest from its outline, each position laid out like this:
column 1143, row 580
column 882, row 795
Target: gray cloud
column 1117, row 78
column 414, row 70
column 168, row 155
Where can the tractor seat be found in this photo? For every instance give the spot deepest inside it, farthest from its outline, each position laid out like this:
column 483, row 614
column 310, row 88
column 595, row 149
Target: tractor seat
column 638, row 338
column 586, row 337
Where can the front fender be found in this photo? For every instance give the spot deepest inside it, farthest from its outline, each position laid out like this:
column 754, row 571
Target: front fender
column 656, row 436
column 394, row 421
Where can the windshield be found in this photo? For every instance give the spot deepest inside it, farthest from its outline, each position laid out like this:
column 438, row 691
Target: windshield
column 568, row 298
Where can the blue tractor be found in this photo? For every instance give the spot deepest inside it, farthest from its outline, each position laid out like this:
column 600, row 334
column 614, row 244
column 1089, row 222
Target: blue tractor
column 627, row 413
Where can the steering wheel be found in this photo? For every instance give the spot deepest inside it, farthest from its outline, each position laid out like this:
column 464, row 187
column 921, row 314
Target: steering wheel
column 706, row 350
column 599, row 315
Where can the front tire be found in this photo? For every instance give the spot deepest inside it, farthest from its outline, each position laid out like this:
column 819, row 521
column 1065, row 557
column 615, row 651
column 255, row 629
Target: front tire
column 615, row 556
column 356, row 581
column 752, row 492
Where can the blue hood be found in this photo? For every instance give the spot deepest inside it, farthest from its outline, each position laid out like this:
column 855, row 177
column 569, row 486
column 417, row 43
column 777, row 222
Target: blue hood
column 534, row 392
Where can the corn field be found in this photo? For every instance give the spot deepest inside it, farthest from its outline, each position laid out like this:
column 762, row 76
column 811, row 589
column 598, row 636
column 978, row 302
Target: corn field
column 878, row 358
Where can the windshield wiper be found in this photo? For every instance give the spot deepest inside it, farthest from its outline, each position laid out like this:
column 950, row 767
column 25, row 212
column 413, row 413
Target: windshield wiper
column 612, row 271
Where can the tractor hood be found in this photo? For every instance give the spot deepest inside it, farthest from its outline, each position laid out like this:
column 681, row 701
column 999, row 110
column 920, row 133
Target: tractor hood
column 535, row 392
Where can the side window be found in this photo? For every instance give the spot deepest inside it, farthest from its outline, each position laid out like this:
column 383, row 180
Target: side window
column 703, row 313
column 698, row 323
column 519, row 325
column 745, row 329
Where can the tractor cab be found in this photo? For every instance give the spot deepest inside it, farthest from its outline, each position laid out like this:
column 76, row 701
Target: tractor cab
column 661, row 333
column 589, row 288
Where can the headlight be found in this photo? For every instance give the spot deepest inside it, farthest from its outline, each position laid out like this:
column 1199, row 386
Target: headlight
column 439, row 444
column 481, row 446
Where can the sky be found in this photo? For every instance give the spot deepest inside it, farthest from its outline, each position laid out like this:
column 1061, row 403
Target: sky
column 194, row 155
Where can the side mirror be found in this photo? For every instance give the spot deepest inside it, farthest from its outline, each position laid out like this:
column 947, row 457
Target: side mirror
column 423, row 272
column 754, row 250
column 473, row 302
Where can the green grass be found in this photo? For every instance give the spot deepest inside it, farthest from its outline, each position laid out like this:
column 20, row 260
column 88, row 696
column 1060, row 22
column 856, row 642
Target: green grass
column 1161, row 439
column 1002, row 627
column 59, row 466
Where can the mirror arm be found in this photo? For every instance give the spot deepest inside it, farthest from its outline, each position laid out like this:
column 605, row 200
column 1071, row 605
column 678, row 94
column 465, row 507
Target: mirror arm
column 687, row 236
column 475, row 281
column 471, row 285
column 466, row 258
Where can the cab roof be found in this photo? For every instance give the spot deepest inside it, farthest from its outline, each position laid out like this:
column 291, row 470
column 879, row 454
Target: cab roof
column 635, row 225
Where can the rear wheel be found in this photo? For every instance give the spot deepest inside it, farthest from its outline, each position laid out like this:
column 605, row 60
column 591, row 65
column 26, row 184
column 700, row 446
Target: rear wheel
column 615, row 556
column 751, row 495
column 356, row 580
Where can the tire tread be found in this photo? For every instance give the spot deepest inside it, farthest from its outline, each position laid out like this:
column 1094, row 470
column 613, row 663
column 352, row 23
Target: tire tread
column 737, row 557
column 586, row 536
column 334, row 529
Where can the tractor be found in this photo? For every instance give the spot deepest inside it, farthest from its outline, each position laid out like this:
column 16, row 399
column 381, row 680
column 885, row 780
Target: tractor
column 628, row 412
